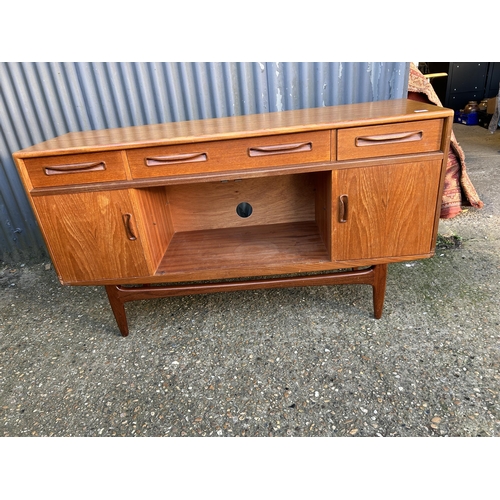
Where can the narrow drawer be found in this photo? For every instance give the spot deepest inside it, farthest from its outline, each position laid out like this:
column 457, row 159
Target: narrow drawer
column 233, row 154
column 386, row 140
column 85, row 168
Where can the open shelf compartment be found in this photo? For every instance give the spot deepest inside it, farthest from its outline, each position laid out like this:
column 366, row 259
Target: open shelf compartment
column 244, row 224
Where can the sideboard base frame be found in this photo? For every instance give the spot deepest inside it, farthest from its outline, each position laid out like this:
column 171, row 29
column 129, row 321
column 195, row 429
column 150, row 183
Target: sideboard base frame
column 376, row 276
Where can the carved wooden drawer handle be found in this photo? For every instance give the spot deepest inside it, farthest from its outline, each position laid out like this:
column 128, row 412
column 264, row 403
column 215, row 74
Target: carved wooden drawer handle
column 155, row 161
column 75, row 168
column 127, row 221
column 280, row 149
column 373, row 140
column 343, row 207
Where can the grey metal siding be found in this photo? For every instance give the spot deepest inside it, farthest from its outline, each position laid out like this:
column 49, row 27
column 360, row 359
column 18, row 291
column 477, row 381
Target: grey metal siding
column 42, row 100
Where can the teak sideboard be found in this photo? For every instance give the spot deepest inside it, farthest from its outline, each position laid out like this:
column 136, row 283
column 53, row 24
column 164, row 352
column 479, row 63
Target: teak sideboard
column 318, row 196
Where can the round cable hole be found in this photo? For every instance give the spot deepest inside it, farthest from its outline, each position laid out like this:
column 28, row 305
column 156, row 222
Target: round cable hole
column 244, row 209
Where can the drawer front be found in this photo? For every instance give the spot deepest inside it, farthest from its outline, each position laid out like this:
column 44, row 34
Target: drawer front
column 387, row 140
column 234, row 154
column 83, row 168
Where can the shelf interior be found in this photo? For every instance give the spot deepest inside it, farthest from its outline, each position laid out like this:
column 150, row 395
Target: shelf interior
column 244, row 224
column 245, row 247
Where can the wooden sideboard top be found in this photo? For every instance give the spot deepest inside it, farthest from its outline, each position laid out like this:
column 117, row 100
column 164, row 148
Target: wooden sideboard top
column 332, row 117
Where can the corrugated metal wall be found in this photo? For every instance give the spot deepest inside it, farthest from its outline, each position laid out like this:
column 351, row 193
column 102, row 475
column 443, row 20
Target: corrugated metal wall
column 39, row 101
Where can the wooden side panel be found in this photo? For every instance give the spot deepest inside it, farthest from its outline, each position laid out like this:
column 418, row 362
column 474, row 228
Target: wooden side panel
column 389, row 210
column 87, row 235
column 323, row 188
column 154, row 222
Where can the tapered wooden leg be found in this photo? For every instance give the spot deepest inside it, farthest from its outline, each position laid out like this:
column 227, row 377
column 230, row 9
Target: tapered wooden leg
column 379, row 283
column 118, row 309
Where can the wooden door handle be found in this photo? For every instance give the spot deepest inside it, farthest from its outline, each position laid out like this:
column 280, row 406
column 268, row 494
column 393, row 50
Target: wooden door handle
column 343, row 207
column 280, row 149
column 155, row 161
column 371, row 140
column 75, row 168
column 127, row 221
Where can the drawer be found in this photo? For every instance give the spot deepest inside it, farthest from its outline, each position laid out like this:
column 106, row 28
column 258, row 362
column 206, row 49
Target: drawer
column 85, row 168
column 387, row 140
column 233, row 154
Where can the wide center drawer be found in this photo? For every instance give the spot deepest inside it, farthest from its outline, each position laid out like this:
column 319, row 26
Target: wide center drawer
column 387, row 140
column 232, row 154
column 85, row 168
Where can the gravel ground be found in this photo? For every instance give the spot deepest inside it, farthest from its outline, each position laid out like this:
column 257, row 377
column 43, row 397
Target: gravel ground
column 291, row 362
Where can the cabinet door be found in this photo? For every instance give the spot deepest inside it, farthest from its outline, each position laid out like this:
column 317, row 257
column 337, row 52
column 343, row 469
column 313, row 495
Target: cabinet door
column 91, row 236
column 389, row 211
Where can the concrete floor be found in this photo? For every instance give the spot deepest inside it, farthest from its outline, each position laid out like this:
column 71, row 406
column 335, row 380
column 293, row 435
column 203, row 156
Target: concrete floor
column 292, row 362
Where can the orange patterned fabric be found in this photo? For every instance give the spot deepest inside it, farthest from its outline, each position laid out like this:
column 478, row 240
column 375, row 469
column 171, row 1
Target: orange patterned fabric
column 458, row 188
